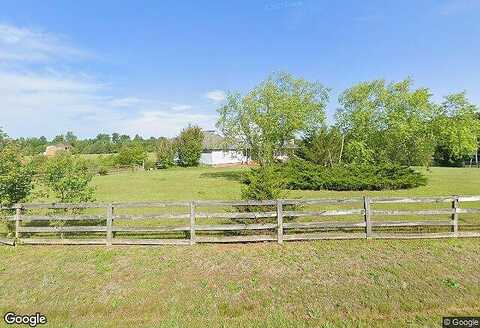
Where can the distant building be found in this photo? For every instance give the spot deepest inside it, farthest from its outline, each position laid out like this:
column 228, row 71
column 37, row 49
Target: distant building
column 55, row 149
column 217, row 152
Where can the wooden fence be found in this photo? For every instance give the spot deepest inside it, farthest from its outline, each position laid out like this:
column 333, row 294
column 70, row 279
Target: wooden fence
column 247, row 221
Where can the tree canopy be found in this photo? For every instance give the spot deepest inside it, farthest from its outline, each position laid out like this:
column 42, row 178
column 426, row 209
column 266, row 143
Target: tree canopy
column 392, row 121
column 265, row 119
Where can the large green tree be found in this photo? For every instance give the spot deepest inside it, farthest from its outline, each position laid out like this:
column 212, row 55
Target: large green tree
column 324, row 146
column 267, row 118
column 390, row 121
column 264, row 121
column 458, row 130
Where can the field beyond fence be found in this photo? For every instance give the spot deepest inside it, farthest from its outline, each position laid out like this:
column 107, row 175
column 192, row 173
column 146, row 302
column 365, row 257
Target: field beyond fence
column 191, row 222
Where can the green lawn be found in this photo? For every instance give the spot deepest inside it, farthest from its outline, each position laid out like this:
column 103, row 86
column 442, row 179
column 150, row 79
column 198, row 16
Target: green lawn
column 320, row 283
column 358, row 283
column 223, row 183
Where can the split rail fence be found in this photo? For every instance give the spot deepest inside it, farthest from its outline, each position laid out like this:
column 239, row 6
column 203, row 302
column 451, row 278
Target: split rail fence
column 192, row 222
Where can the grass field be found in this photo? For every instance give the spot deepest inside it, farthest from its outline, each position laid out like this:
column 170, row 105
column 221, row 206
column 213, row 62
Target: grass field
column 360, row 283
column 223, row 183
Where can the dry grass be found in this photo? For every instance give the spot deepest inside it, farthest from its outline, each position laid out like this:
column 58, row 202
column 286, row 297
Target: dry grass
column 326, row 284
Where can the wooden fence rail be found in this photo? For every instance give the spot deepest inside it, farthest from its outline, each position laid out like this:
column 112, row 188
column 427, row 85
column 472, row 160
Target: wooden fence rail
column 273, row 220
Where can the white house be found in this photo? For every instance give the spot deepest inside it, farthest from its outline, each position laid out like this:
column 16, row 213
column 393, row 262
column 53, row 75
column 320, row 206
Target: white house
column 216, row 152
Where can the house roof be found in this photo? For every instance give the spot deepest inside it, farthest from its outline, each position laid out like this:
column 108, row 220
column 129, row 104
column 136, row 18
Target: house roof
column 62, row 145
column 214, row 141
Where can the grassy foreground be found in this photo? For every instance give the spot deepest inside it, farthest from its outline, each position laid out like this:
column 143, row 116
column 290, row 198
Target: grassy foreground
column 325, row 284
column 360, row 283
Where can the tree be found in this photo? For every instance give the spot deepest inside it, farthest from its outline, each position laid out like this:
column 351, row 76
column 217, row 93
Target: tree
column 68, row 178
column 458, row 129
column 165, row 151
column 391, row 121
column 324, row 146
column 16, row 177
column 267, row 118
column 130, row 155
column 3, row 138
column 58, row 139
column 189, row 146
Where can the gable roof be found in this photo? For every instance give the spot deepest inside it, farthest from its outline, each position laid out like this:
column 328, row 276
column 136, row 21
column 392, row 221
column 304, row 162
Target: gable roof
column 214, row 141
column 60, row 146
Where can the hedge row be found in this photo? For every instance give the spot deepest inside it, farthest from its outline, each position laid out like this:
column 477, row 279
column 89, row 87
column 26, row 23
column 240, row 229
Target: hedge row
column 303, row 175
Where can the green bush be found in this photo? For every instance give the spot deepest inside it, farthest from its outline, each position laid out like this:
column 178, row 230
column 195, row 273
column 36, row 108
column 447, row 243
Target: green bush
column 68, row 178
column 16, row 177
column 149, row 164
column 263, row 183
column 131, row 155
column 189, row 146
column 165, row 152
column 304, row 175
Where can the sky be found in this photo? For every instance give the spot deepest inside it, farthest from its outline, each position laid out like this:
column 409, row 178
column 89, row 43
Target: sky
column 153, row 67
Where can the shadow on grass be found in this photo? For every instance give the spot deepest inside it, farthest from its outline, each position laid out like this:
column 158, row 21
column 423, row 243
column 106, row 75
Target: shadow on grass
column 228, row 175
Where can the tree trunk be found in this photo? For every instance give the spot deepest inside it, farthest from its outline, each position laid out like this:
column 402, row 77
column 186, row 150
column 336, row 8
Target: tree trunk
column 341, row 149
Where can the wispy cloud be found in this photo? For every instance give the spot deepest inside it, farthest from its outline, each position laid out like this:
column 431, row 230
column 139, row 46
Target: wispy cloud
column 52, row 105
column 162, row 122
column 216, row 95
column 24, row 44
column 43, row 99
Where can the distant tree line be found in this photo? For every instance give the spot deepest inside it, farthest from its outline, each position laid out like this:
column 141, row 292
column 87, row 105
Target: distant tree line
column 102, row 144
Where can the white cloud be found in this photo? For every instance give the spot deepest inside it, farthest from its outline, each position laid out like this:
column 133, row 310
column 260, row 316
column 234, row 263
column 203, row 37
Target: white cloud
column 39, row 104
column 42, row 100
column 216, row 95
column 126, row 102
column 23, row 44
column 181, row 108
column 164, row 123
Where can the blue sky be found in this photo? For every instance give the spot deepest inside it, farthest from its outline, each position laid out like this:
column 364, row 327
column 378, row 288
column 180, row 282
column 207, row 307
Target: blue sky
column 152, row 67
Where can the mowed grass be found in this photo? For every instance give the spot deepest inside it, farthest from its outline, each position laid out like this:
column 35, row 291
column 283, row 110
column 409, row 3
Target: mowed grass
column 358, row 283
column 309, row 284
column 224, row 183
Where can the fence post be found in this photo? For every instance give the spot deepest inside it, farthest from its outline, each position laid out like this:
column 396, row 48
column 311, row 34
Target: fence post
column 109, row 224
column 18, row 213
column 192, row 222
column 279, row 221
column 455, row 206
column 367, row 216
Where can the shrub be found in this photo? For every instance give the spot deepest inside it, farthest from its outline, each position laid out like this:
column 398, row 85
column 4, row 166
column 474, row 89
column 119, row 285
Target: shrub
column 131, row 155
column 263, row 183
column 149, row 164
column 16, row 177
column 165, row 152
column 190, row 146
column 68, row 178
column 308, row 176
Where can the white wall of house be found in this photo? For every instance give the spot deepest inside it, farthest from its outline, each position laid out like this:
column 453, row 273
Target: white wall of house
column 217, row 157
